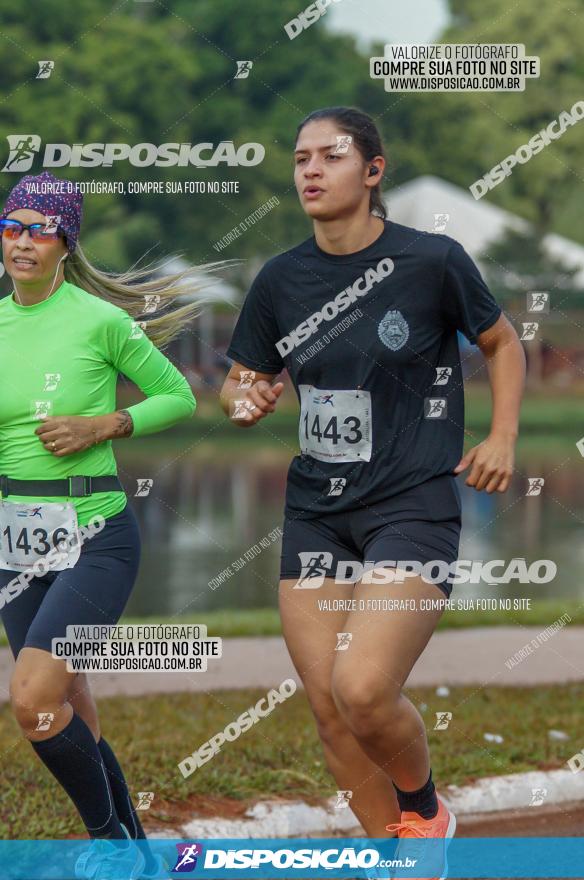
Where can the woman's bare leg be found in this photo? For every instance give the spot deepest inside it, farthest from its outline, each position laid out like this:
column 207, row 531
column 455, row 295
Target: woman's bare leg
column 40, row 683
column 369, row 676
column 311, row 637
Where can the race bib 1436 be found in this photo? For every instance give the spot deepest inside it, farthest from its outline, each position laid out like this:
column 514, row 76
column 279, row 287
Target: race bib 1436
column 31, row 531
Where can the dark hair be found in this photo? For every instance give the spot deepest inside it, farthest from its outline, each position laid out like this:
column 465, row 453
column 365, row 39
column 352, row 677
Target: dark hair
column 365, row 136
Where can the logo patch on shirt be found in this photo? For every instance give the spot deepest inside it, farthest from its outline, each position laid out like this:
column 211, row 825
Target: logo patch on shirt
column 393, row 330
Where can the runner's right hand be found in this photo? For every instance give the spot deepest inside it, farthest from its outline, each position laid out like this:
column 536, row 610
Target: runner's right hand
column 257, row 402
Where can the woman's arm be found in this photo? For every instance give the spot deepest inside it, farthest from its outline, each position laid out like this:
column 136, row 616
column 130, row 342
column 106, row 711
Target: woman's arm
column 169, row 398
column 112, row 426
column 131, row 352
column 505, row 359
column 493, row 459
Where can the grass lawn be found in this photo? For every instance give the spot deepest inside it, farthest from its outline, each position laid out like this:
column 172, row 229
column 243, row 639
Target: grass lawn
column 280, row 756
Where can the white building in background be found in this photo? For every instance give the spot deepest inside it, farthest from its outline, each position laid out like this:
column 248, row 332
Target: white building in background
column 475, row 224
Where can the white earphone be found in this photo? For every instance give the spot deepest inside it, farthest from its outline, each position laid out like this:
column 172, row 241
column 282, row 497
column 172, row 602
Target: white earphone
column 64, row 257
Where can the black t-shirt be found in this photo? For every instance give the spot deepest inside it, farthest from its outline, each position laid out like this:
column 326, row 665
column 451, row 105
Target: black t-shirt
column 369, row 341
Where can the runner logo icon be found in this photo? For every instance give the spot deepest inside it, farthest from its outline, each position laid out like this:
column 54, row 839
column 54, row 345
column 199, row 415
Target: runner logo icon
column 187, row 857
column 314, row 570
column 23, row 148
column 324, row 399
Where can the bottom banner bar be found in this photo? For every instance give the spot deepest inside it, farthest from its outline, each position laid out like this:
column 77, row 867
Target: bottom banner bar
column 368, row 858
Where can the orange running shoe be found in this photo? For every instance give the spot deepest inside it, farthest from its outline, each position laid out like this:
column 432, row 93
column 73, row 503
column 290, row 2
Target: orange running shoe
column 430, row 857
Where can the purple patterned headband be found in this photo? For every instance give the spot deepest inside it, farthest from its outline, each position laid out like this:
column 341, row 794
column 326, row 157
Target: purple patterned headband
column 52, row 197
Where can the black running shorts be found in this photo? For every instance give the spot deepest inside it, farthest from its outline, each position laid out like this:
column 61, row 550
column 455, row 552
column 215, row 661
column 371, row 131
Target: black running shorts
column 420, row 525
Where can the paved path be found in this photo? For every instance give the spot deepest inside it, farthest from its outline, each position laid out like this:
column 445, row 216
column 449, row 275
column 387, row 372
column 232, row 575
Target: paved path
column 452, row 657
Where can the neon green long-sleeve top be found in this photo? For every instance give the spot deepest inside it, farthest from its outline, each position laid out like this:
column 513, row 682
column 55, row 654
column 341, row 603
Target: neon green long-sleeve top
column 62, row 357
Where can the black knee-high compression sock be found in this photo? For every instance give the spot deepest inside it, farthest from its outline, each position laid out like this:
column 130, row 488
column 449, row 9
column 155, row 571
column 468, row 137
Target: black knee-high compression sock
column 123, row 801
column 75, row 761
column 422, row 801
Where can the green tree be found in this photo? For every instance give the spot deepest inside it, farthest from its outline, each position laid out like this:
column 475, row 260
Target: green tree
column 461, row 136
column 158, row 73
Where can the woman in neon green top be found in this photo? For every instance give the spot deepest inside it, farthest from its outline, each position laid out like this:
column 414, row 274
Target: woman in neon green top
column 63, row 341
column 62, row 355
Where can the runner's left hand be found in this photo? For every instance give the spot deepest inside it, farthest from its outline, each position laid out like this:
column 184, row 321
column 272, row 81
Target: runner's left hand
column 62, row 435
column 492, row 463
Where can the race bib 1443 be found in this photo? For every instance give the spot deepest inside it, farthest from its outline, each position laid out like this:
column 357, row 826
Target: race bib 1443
column 335, row 426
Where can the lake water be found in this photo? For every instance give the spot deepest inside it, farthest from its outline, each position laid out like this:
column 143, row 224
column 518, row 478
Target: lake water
column 206, row 509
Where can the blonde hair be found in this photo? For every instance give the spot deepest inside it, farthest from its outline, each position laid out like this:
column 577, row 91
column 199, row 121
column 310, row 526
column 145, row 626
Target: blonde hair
column 129, row 290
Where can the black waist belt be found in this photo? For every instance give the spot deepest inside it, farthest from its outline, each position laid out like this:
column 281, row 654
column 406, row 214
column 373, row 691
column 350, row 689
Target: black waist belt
column 72, row 487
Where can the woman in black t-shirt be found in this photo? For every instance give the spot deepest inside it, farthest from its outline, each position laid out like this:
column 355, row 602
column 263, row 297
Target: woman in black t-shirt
column 364, row 316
